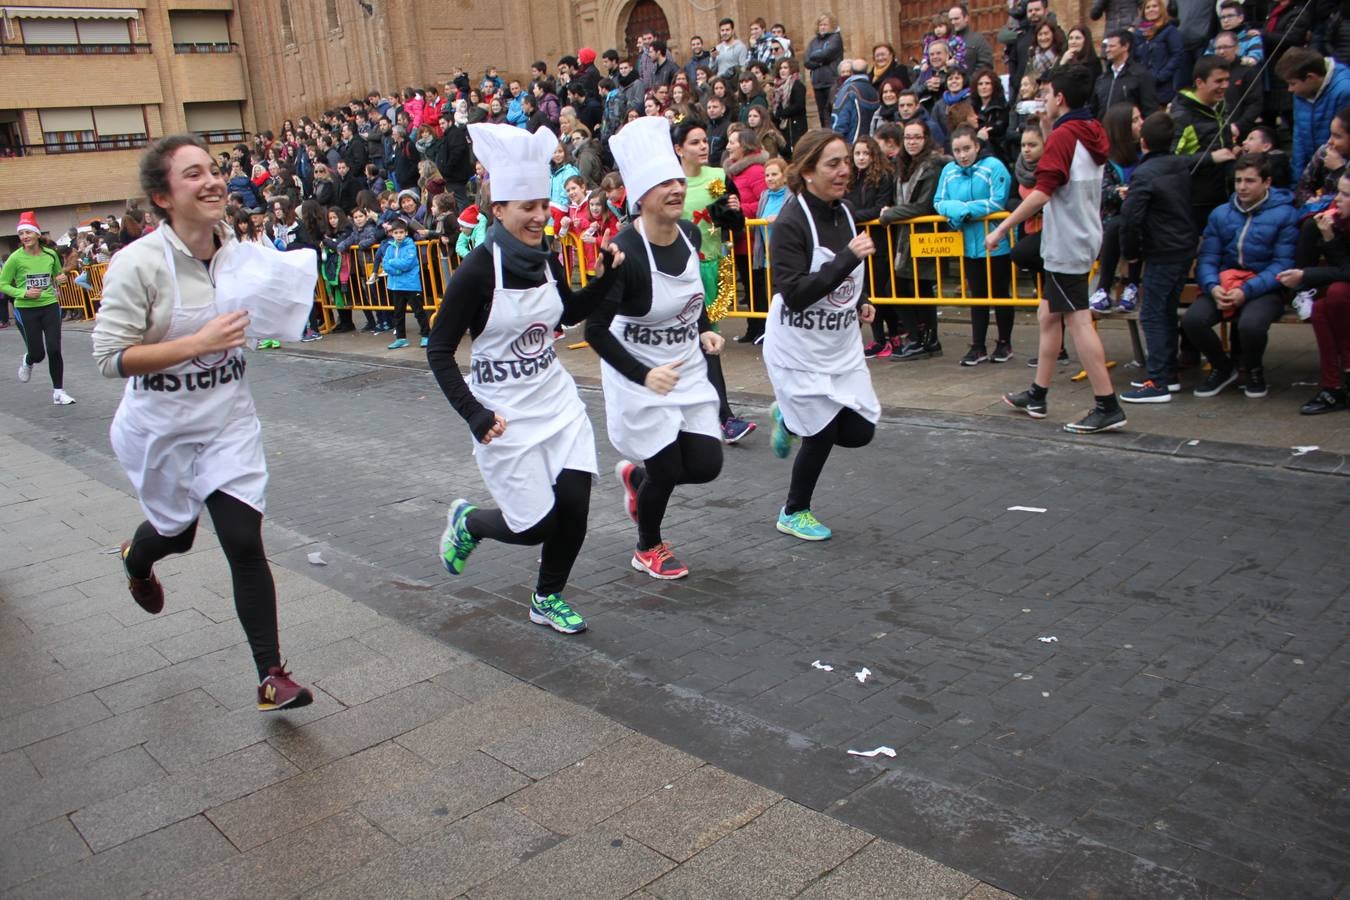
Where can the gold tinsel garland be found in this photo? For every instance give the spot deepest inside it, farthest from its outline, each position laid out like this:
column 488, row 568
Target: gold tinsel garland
column 726, row 290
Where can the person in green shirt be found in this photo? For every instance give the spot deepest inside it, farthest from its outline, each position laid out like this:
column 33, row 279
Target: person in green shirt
column 711, row 203
column 29, row 278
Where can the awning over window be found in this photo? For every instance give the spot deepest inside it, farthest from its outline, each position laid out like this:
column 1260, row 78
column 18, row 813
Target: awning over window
column 119, row 120
column 223, row 115
column 66, row 12
column 77, row 119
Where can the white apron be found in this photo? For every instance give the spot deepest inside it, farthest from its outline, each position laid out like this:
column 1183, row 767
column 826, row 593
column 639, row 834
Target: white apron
column 515, row 372
column 187, row 431
column 642, row 422
column 814, row 357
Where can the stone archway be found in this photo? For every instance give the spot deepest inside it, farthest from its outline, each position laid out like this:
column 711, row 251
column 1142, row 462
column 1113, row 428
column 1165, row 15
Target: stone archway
column 644, row 16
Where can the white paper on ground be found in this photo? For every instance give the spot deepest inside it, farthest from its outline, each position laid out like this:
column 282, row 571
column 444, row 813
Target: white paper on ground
column 1299, row 451
column 1035, row 509
column 1194, row 443
column 316, row 559
column 1048, row 639
column 880, row 751
column 275, row 288
column 821, row 666
column 862, row 675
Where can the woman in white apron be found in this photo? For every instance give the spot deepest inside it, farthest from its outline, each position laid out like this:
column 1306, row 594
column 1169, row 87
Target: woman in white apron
column 186, row 432
column 812, row 346
column 535, row 449
column 651, row 333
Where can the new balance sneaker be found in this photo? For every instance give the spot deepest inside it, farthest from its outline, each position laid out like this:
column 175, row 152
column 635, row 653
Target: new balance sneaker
column 1215, row 382
column 871, row 348
column 1148, row 392
column 279, row 691
column 1255, row 386
column 554, row 612
column 624, row 471
column 1098, row 420
column 25, row 370
column 61, row 398
column 1303, row 304
column 1129, row 298
column 398, row 344
column 1002, row 352
column 802, row 524
column 1173, row 384
column 659, row 562
column 780, row 439
column 147, row 592
column 1027, row 403
column 1327, row 400
column 734, row 429
column 975, row 355
column 1061, row 359
column 1100, row 301
column 456, row 542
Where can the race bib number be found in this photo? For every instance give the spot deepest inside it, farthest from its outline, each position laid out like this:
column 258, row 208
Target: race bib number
column 38, row 282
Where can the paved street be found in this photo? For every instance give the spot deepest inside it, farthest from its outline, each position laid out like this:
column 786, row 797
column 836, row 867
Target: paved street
column 1141, row 691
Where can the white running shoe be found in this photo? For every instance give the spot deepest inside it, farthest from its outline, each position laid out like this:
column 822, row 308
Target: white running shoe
column 61, row 398
column 1100, row 301
column 1303, row 304
column 25, row 370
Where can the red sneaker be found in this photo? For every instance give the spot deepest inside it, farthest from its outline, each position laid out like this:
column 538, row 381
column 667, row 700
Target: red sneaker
column 623, row 470
column 147, row 592
column 659, row 562
column 278, row 691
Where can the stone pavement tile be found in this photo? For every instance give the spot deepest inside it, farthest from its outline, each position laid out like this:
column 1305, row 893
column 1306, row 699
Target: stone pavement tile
column 290, row 865
column 407, row 657
column 224, row 665
column 445, row 862
column 449, row 793
column 36, row 851
column 37, row 724
column 475, row 726
column 17, row 773
column 27, row 693
column 308, row 666
column 176, row 797
column 131, row 869
column 29, row 803
column 556, row 742
column 74, row 749
column 778, row 854
column 358, row 727
column 602, row 784
column 1099, row 871
column 984, row 891
column 474, row 680
column 293, row 804
column 201, row 641
column 169, row 624
column 599, row 863
column 882, row 870
column 693, row 811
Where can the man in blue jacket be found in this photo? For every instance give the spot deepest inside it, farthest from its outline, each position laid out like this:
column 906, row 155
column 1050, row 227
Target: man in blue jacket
column 1248, row 242
column 1320, row 87
column 855, row 102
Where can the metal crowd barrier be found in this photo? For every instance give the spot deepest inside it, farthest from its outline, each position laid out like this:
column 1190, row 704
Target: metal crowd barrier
column 930, row 238
column 75, row 298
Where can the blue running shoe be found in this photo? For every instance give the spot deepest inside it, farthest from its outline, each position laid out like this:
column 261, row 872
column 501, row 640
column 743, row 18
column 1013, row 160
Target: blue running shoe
column 802, row 524
column 423, row 342
column 780, row 439
column 456, row 542
column 398, row 344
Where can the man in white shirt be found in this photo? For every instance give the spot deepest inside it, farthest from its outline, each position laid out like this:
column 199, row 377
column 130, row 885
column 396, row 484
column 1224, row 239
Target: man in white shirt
column 731, row 54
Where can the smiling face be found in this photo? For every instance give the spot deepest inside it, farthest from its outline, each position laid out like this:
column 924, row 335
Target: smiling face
column 832, row 173
column 881, row 58
column 29, row 240
column 956, row 81
column 938, row 56
column 524, row 219
column 575, row 192
column 665, row 201
column 196, row 188
column 1045, row 37
column 862, row 155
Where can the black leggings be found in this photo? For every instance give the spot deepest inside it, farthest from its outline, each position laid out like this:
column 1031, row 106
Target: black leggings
column 919, row 321
column 562, row 531
column 689, row 459
column 239, row 530
column 719, row 383
column 823, row 107
column 846, row 429
column 403, row 302
column 41, row 330
column 998, row 284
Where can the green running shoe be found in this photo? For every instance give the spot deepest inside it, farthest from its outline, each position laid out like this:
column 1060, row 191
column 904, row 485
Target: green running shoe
column 780, row 439
column 554, row 612
column 802, row 524
column 456, row 542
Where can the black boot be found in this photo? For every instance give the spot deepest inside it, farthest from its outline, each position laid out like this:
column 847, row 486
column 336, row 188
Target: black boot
column 1326, row 400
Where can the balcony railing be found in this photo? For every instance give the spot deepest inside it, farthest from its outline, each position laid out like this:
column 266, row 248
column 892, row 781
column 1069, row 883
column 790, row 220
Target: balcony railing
column 207, row 47
column 72, row 49
column 87, row 145
column 222, row 137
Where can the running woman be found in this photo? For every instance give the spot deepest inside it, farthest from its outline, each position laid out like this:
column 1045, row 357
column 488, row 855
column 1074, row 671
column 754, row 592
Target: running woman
column 535, row 449
column 811, row 344
column 29, row 278
column 186, row 432
column 652, row 332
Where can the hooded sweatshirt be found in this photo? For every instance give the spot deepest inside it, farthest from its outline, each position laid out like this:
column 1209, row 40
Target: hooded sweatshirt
column 1070, row 171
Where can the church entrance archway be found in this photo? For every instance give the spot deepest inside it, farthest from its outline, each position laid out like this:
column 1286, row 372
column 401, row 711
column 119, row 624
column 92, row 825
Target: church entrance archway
column 645, row 16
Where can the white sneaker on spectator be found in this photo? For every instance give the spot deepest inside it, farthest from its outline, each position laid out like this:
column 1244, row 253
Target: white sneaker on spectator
column 1100, row 301
column 1303, row 304
column 61, row 398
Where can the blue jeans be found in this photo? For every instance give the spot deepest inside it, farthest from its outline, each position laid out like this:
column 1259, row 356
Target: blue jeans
column 1162, row 284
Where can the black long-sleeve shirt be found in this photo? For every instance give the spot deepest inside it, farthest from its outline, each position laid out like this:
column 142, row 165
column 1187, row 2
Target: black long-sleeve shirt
column 465, row 308
column 631, row 295
column 790, row 251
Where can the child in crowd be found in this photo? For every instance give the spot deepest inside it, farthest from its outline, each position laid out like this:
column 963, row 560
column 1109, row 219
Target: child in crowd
column 472, row 231
column 335, row 266
column 770, row 204
column 403, row 267
column 576, row 193
column 1263, row 139
column 942, row 31
column 616, row 196
column 597, row 226
column 364, row 235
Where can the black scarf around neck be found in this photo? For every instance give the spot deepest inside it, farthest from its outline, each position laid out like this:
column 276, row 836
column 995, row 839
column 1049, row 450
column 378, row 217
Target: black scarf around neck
column 518, row 257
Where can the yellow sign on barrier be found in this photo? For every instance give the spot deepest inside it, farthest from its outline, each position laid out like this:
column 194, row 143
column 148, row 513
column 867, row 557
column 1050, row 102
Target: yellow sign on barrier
column 942, row 243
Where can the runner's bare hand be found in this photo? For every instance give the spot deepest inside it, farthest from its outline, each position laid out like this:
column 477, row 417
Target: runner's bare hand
column 610, row 257
column 663, row 379
column 712, row 342
column 224, row 332
column 866, row 313
column 862, row 245
column 497, row 430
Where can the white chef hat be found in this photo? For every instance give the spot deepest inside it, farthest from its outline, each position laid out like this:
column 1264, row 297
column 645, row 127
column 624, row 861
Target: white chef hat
column 517, row 162
column 645, row 156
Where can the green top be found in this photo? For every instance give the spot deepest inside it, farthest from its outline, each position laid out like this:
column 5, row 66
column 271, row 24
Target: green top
column 24, row 270
column 697, row 197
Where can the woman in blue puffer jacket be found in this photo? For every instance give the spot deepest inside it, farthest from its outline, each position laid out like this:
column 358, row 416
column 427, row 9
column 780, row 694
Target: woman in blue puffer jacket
column 969, row 189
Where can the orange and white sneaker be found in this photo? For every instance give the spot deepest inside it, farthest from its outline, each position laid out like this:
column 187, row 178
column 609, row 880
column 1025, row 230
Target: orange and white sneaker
column 279, row 691
column 659, row 562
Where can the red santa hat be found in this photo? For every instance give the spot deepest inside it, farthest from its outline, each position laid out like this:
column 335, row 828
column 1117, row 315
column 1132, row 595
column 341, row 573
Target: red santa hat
column 585, row 56
column 27, row 222
column 468, row 218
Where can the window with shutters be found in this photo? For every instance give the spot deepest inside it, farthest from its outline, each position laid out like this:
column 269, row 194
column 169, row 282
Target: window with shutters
column 200, row 32
column 77, row 36
column 217, row 122
column 82, row 129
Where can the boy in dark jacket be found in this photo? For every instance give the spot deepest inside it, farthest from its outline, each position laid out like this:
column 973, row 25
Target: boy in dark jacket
column 1156, row 228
